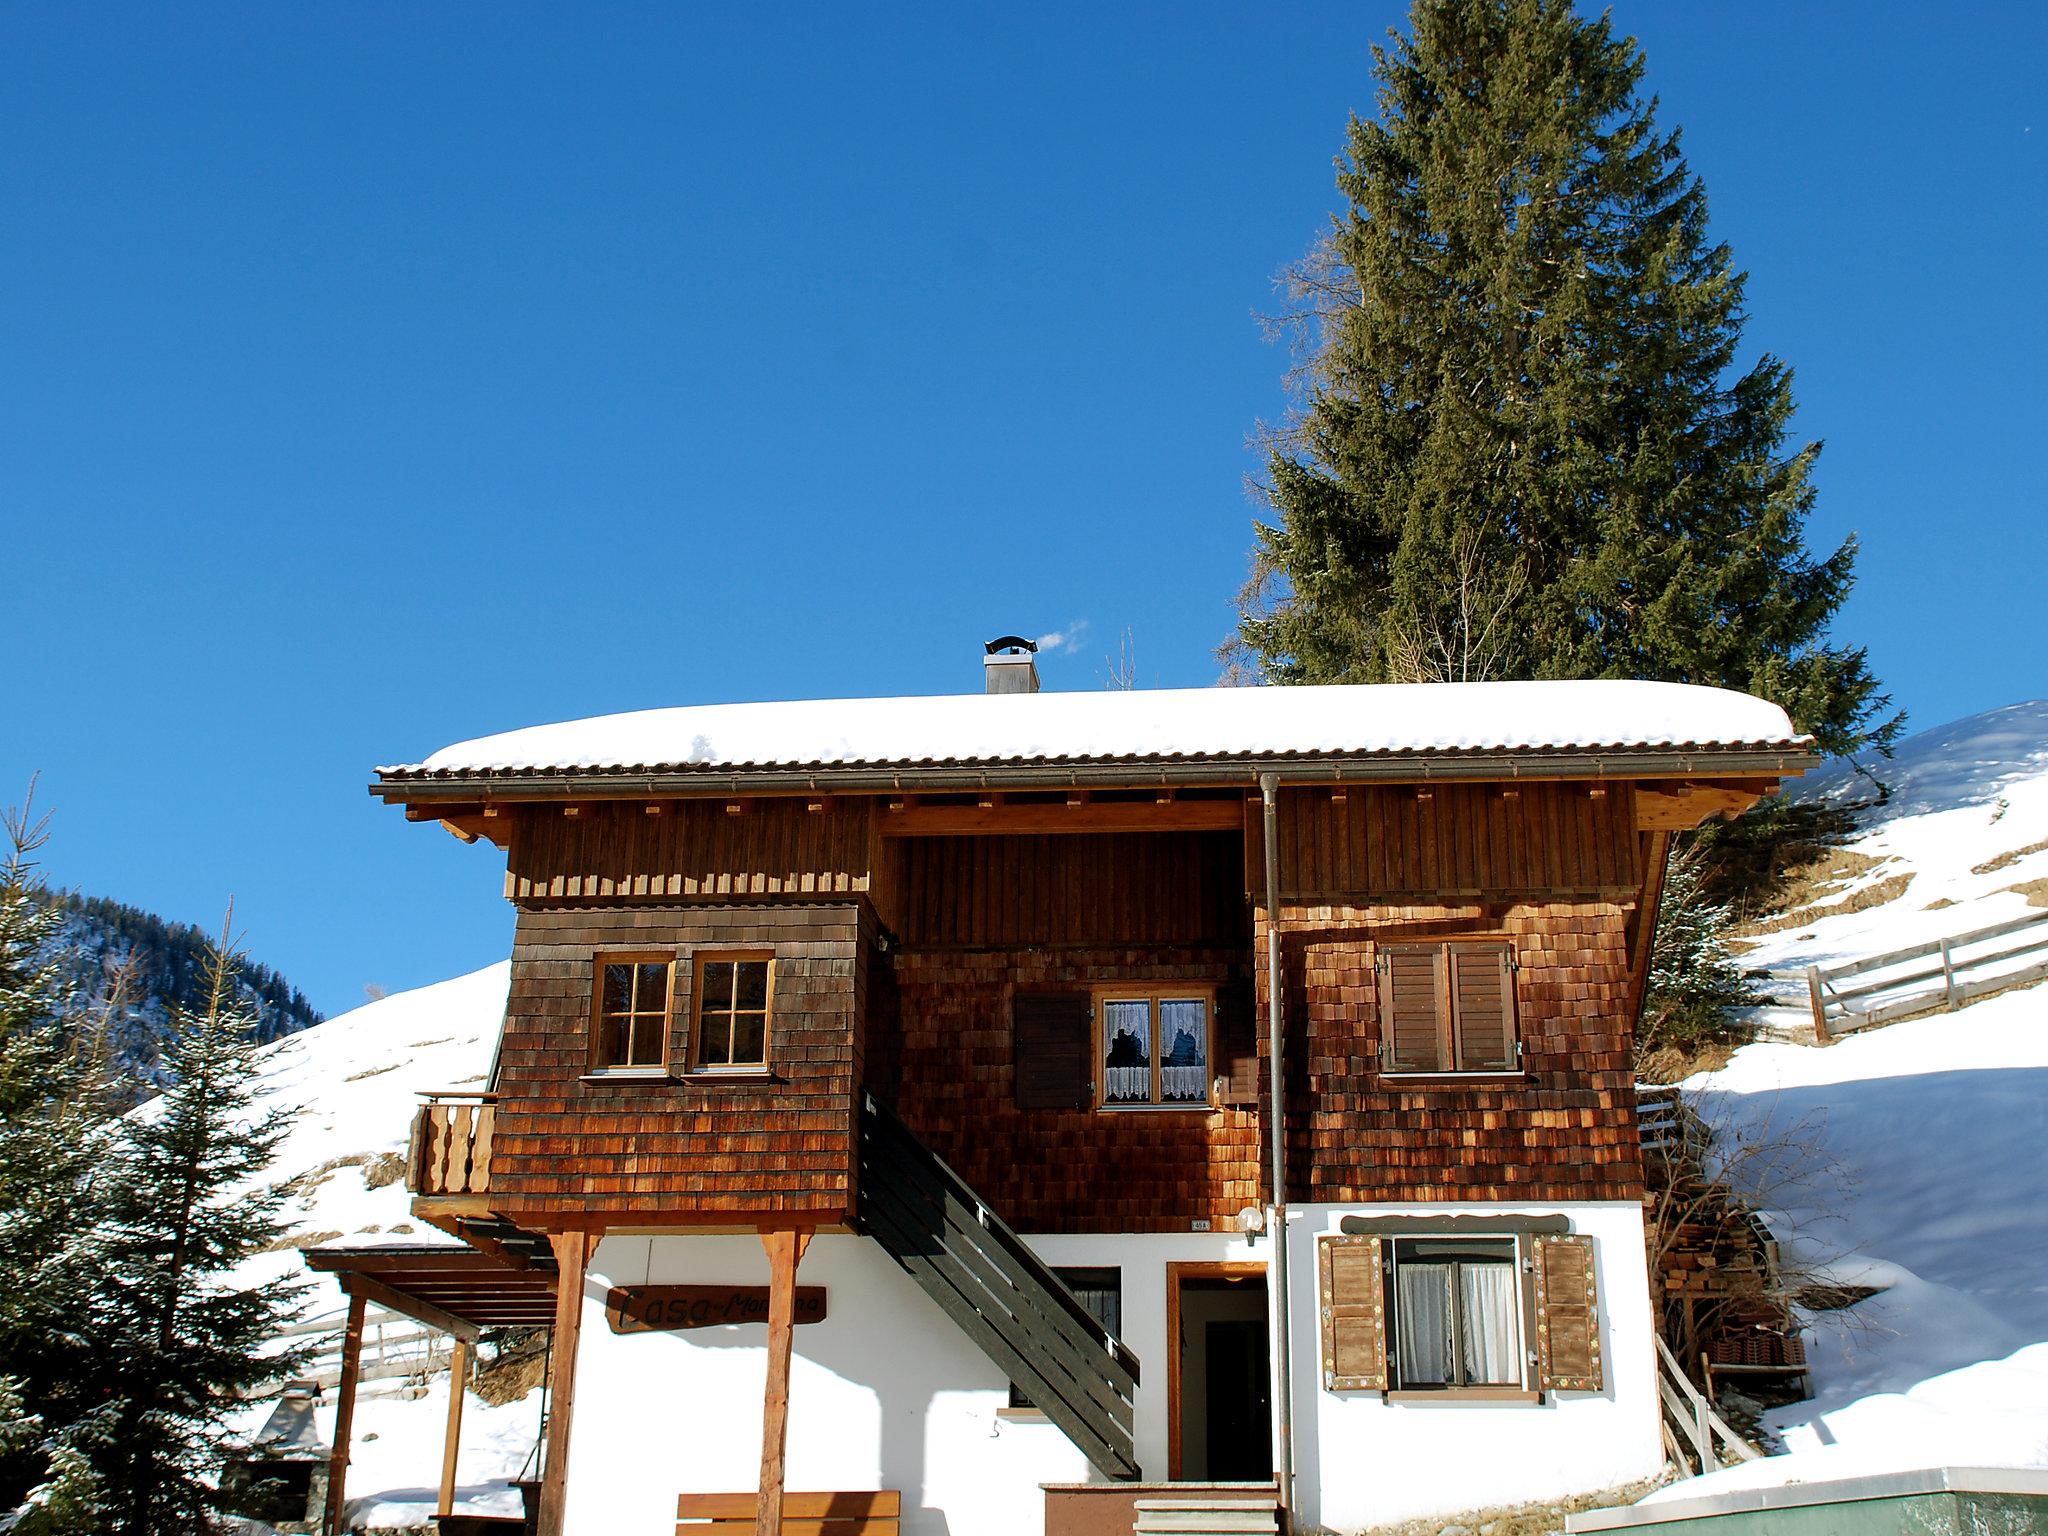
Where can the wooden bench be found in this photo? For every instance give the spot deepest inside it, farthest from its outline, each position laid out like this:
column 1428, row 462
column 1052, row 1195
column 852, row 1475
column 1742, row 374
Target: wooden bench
column 803, row 1514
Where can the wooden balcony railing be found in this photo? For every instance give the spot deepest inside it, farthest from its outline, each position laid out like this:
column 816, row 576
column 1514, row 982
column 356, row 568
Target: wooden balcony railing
column 451, row 1145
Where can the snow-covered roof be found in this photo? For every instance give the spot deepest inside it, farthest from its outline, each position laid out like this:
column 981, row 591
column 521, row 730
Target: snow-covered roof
column 1165, row 725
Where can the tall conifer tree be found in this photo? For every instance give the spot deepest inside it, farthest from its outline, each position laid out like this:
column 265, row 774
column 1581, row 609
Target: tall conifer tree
column 52, row 1144
column 1526, row 450
column 187, row 1339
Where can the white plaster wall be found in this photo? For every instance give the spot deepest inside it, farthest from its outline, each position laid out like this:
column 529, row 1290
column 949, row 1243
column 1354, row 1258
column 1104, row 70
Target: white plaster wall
column 1360, row 1460
column 886, row 1392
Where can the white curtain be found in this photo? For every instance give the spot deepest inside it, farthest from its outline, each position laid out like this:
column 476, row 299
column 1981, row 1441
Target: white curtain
column 1492, row 1349
column 1127, row 1051
column 1184, row 1050
column 1423, row 1324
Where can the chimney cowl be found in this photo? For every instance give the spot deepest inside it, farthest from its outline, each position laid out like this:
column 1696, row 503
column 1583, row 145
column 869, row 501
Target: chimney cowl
column 1010, row 665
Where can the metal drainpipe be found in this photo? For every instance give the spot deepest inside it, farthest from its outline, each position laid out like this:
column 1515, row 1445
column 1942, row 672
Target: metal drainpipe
column 1283, row 1363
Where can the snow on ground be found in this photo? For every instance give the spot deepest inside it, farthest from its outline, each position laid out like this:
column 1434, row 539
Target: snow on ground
column 1940, row 1127
column 354, row 1083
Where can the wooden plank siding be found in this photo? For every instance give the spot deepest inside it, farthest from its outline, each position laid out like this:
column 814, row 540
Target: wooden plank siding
column 693, row 850
column 1435, row 842
column 1079, row 888
column 780, row 1145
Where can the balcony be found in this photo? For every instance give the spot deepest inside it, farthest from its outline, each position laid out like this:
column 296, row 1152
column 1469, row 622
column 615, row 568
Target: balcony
column 451, row 1146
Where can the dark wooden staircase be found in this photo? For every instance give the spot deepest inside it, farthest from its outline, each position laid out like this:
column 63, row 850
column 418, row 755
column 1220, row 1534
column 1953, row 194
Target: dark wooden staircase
column 1017, row 1311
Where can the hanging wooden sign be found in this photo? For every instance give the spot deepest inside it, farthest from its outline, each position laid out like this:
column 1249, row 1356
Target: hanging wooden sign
column 663, row 1308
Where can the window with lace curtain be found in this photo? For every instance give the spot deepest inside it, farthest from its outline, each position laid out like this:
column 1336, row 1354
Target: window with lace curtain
column 1153, row 1049
column 1457, row 1314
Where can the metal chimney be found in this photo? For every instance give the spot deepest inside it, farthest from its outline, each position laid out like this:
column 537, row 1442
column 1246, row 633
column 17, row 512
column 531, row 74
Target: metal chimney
column 1009, row 664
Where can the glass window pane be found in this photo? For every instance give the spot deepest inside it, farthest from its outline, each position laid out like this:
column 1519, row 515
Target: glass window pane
column 648, row 1029
column 653, row 994
column 618, row 988
column 611, row 1038
column 750, row 989
column 714, row 1046
column 1184, row 1051
column 749, row 1038
column 1127, row 1052
column 717, row 984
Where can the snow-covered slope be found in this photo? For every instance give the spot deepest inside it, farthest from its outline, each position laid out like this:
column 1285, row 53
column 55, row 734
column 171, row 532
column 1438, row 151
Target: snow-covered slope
column 1939, row 1126
column 353, row 1083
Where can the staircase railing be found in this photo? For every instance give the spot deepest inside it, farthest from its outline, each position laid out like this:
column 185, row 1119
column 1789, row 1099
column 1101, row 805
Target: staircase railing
column 998, row 1292
column 1691, row 1423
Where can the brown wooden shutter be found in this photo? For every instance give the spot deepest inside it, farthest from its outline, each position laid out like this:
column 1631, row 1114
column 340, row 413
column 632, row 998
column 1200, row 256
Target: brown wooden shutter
column 1353, row 1293
column 1483, row 1005
column 1053, row 1050
column 1567, row 1315
column 1237, row 1046
column 1414, row 1008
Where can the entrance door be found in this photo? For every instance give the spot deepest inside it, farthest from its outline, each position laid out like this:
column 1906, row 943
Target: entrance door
column 1220, row 1427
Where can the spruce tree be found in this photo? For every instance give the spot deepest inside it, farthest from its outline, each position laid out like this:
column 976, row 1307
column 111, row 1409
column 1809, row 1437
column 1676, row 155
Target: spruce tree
column 1696, row 986
column 52, row 1146
column 187, row 1339
column 1525, row 449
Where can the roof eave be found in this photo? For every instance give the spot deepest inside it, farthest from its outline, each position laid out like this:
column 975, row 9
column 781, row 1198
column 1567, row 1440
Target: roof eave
column 1746, row 761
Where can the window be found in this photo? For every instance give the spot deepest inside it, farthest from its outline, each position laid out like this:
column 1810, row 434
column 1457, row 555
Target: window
column 631, row 1029
column 1448, row 1007
column 1101, row 1294
column 1154, row 1049
column 734, row 999
column 1415, row 1311
column 1457, row 1314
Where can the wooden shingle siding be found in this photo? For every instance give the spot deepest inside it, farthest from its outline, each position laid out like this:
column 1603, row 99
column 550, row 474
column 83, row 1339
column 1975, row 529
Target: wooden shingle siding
column 1076, row 1170
column 1562, row 1129
column 613, row 851
column 1079, row 888
column 783, row 1145
column 1393, row 842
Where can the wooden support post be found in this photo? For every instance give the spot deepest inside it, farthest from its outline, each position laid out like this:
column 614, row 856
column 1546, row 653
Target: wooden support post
column 785, row 1249
column 344, row 1415
column 572, row 1255
column 451, row 1442
column 1820, row 1007
column 1948, row 975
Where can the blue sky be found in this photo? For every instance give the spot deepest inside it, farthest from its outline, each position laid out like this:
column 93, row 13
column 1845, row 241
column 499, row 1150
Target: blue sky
column 373, row 377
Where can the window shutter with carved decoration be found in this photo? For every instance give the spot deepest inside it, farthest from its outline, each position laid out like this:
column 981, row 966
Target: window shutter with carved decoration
column 1053, row 1050
column 1567, row 1315
column 1352, row 1292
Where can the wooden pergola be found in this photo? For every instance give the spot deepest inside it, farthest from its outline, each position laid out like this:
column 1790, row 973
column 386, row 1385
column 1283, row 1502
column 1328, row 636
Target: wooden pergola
column 455, row 1289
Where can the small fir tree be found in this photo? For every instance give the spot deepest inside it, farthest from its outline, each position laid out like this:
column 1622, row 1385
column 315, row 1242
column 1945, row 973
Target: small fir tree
column 1526, row 450
column 53, row 1138
column 1696, row 988
column 189, row 1205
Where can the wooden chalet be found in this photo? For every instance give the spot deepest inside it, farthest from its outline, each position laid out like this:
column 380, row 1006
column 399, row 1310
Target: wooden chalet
column 1022, row 1112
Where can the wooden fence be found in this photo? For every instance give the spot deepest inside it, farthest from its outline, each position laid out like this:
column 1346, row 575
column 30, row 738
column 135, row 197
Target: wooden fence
column 395, row 1348
column 1694, row 1433
column 1963, row 968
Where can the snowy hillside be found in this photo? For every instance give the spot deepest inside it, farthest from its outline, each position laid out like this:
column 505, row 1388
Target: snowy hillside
column 354, row 1082
column 1939, row 1125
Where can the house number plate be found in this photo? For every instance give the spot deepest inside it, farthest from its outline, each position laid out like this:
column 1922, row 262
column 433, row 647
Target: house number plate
column 661, row 1308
